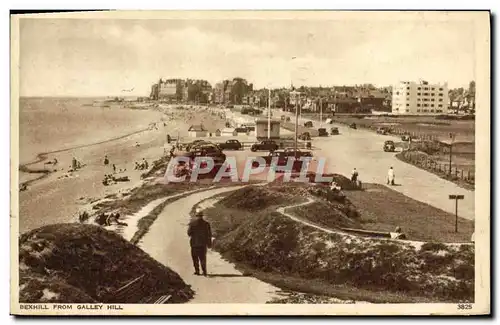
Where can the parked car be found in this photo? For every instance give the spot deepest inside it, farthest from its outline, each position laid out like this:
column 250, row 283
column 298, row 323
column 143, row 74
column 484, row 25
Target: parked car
column 353, row 126
column 231, row 144
column 405, row 137
column 264, row 145
column 288, row 118
column 305, row 136
column 197, row 143
column 334, row 131
column 300, row 153
column 389, row 146
column 322, row 132
column 212, row 151
column 241, row 130
column 283, row 155
column 308, row 124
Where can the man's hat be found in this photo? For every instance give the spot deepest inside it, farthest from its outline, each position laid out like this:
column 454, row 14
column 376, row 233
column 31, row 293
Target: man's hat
column 198, row 213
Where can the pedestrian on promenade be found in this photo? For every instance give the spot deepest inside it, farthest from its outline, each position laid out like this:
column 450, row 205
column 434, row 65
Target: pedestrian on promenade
column 200, row 235
column 354, row 176
column 390, row 176
column 106, row 160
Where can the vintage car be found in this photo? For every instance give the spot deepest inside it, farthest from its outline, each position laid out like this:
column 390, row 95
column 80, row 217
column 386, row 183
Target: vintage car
column 353, row 126
column 264, row 145
column 231, row 144
column 322, row 132
column 305, row 136
column 389, row 146
column 334, row 131
column 308, row 124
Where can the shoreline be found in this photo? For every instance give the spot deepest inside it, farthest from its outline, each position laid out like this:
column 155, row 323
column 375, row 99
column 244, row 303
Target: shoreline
column 42, row 156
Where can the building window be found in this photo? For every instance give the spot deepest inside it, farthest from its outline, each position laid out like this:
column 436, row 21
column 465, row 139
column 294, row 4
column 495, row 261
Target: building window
column 440, row 105
column 425, row 105
column 433, row 88
column 407, row 111
column 432, row 105
column 397, row 92
column 408, row 88
column 426, row 94
column 419, row 88
column 433, row 94
column 418, row 94
column 441, row 94
column 418, row 105
column 426, row 88
column 432, row 111
column 407, row 93
column 418, row 111
column 440, row 99
column 441, row 89
column 407, row 104
column 432, row 99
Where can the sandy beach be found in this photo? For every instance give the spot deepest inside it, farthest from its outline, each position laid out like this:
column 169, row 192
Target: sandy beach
column 59, row 196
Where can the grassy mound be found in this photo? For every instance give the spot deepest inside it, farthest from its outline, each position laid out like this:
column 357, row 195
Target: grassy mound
column 75, row 263
column 274, row 243
column 263, row 239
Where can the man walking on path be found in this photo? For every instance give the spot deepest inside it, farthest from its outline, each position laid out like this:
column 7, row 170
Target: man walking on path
column 200, row 235
column 390, row 176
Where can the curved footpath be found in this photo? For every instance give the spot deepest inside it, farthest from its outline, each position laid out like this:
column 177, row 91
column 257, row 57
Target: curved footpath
column 168, row 243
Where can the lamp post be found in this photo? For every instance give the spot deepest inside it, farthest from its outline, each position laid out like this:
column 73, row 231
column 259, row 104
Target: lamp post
column 269, row 115
column 452, row 138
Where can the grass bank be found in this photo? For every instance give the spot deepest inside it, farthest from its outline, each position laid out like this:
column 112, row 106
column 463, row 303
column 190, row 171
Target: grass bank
column 74, row 263
column 295, row 256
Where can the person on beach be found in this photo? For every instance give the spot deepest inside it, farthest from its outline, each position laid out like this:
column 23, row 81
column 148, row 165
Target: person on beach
column 74, row 164
column 390, row 176
column 114, row 168
column 145, row 163
column 106, row 161
column 200, row 234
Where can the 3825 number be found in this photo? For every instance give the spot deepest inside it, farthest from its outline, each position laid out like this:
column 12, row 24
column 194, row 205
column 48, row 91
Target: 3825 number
column 464, row 306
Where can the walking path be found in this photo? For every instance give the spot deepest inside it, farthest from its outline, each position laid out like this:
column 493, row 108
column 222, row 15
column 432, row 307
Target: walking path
column 168, row 243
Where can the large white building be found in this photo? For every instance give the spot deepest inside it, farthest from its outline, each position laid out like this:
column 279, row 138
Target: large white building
column 410, row 97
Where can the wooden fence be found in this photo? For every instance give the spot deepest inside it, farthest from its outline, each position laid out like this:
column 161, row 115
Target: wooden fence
column 440, row 168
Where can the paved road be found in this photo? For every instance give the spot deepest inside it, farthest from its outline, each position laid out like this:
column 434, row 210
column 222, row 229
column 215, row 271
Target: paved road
column 168, row 243
column 363, row 149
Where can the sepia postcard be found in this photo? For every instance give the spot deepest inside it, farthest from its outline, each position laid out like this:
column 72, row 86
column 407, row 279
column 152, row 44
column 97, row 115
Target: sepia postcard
column 250, row 163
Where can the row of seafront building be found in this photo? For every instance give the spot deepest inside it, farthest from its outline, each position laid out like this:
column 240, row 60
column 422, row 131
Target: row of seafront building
column 406, row 97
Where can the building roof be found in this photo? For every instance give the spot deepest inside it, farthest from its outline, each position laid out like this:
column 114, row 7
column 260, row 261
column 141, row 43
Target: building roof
column 196, row 128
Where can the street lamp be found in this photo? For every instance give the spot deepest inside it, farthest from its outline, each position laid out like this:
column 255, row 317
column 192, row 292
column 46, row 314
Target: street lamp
column 452, row 138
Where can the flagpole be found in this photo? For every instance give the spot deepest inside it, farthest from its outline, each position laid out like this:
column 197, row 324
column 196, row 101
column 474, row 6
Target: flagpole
column 269, row 115
column 320, row 113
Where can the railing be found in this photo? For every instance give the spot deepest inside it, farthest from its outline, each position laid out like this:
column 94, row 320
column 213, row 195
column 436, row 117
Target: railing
column 442, row 169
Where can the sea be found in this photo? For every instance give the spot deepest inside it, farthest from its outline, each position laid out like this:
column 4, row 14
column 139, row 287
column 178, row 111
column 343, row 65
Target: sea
column 48, row 124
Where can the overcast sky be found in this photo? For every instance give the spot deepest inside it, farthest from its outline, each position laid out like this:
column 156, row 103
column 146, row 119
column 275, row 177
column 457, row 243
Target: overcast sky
column 92, row 57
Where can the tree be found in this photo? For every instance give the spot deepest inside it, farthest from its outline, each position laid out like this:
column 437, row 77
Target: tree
column 471, row 95
column 239, row 89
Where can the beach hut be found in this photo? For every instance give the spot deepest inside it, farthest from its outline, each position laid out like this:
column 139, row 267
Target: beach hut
column 197, row 131
column 229, row 132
